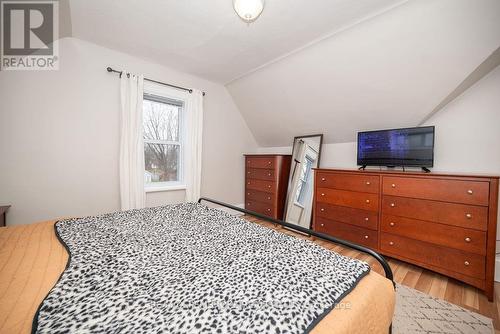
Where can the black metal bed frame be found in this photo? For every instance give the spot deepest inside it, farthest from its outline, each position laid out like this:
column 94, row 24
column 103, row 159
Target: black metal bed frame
column 385, row 265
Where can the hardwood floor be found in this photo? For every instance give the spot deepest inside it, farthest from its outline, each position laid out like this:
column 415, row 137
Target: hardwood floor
column 417, row 278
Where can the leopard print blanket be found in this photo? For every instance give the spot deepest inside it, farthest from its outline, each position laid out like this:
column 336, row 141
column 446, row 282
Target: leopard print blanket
column 188, row 268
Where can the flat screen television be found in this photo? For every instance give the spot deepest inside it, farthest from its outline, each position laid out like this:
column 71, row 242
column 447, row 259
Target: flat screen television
column 409, row 147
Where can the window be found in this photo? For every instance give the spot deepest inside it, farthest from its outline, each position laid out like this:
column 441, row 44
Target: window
column 163, row 142
column 304, row 183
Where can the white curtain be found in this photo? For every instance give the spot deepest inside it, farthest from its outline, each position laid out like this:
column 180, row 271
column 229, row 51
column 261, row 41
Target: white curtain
column 132, row 193
column 194, row 120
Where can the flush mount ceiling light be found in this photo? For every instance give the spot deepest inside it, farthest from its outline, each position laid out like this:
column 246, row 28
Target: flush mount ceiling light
column 248, row 10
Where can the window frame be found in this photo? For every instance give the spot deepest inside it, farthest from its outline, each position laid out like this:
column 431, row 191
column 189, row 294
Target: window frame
column 162, row 94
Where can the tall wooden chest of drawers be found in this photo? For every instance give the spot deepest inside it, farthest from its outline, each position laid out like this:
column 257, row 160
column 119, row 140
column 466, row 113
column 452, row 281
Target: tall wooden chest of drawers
column 266, row 183
column 442, row 222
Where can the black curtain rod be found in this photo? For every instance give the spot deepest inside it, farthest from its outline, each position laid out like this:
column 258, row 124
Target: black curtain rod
column 109, row 69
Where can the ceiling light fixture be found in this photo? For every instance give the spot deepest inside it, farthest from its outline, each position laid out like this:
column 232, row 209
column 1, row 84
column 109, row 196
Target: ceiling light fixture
column 248, row 10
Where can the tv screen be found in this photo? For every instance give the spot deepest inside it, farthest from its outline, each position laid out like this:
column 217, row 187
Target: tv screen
column 398, row 147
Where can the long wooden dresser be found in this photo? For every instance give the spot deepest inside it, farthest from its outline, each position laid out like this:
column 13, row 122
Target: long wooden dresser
column 443, row 222
column 266, row 183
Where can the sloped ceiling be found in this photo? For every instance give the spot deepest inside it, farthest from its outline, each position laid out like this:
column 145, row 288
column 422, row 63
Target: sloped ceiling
column 389, row 71
column 206, row 37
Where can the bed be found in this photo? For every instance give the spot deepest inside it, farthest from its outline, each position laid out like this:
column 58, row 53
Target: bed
column 32, row 259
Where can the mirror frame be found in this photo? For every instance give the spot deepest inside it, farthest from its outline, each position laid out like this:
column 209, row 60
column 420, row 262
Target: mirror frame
column 320, row 135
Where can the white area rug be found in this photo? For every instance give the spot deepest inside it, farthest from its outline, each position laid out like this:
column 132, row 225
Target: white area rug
column 417, row 312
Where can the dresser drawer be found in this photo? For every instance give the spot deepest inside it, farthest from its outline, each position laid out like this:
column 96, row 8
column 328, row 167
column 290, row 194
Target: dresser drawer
column 259, row 196
column 262, row 185
column 362, row 183
column 468, row 240
column 260, row 162
column 364, row 201
column 456, row 191
column 262, row 208
column 362, row 218
column 469, row 264
column 260, row 174
column 468, row 216
column 347, row 232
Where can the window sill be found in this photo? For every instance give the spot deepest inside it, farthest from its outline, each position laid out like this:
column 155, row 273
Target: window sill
column 154, row 189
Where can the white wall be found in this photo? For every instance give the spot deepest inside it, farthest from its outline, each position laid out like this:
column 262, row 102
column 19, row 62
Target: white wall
column 59, row 136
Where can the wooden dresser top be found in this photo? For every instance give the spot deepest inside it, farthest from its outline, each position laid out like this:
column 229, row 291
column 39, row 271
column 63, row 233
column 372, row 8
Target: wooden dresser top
column 408, row 173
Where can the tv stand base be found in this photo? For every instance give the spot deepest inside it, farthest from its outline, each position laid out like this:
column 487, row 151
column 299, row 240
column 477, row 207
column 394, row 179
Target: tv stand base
column 426, row 170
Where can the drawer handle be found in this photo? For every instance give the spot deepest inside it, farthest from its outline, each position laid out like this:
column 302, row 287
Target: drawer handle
column 248, row 172
column 391, row 243
column 466, row 263
column 392, row 224
column 367, row 201
column 323, row 179
column 248, row 204
column 248, row 183
column 367, row 219
column 467, row 239
column 366, row 237
column 393, row 185
column 368, row 183
column 322, row 210
column 468, row 215
column 322, row 194
column 393, row 205
column 269, row 198
column 268, row 174
column 322, row 225
column 269, row 162
column 248, row 194
column 469, row 192
column 268, row 210
column 269, row 187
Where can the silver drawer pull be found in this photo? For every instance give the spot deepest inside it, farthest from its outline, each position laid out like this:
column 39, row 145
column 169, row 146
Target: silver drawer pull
column 269, row 198
column 248, row 203
column 248, row 194
column 467, row 239
column 366, row 237
column 268, row 174
column 323, row 179
column 269, row 186
column 322, row 225
column 466, row 263
column 392, row 224
column 322, row 194
column 367, row 219
column 393, row 205
column 248, row 172
column 367, row 201
column 322, row 210
column 391, row 243
column 393, row 185
column 468, row 215
column 368, row 183
column 248, row 182
column 269, row 210
column 269, row 162
column 469, row 191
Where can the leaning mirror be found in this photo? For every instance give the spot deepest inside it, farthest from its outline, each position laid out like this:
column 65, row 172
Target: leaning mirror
column 305, row 156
